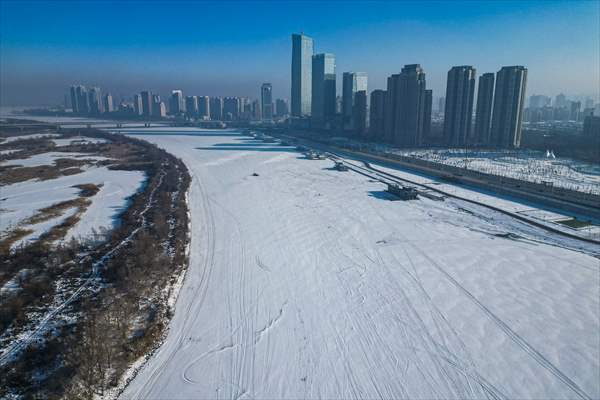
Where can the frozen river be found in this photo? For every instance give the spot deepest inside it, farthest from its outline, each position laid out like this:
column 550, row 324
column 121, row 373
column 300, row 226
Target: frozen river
column 306, row 282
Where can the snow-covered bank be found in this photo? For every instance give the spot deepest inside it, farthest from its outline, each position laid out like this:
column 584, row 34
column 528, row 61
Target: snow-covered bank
column 308, row 282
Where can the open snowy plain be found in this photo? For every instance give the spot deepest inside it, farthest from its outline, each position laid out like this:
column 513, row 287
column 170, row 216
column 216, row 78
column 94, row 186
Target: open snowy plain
column 306, row 282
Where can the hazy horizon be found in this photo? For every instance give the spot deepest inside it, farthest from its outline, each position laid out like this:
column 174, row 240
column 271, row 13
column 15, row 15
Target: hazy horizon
column 230, row 48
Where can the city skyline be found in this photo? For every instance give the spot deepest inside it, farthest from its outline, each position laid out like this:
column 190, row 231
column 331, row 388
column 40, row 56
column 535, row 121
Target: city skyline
column 105, row 60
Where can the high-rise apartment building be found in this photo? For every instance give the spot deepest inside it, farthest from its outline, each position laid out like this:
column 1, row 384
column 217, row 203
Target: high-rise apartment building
column 204, row 107
column 137, row 104
column 266, row 101
column 302, row 52
column 405, row 106
column 176, row 102
column 146, row 103
column 352, row 82
column 483, row 113
column 323, row 88
column 427, row 115
column 460, row 89
column 231, row 108
column 216, row 108
column 507, row 115
column 191, row 106
column 360, row 114
column 376, row 113
column 281, row 108
column 108, row 103
column 95, row 101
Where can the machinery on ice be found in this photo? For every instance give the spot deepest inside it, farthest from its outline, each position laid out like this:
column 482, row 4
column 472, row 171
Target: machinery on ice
column 402, row 192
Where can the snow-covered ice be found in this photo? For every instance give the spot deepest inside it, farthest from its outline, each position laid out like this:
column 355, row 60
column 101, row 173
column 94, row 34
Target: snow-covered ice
column 308, row 282
column 22, row 200
column 49, row 158
column 28, row 137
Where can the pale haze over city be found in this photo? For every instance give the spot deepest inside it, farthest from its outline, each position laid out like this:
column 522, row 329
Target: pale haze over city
column 300, row 199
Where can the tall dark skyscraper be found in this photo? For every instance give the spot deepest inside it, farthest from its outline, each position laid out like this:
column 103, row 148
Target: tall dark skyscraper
column 266, row 101
column 83, row 101
column 323, row 87
column 108, row 103
column 376, row 114
column 281, row 108
column 191, row 106
column 231, row 108
column 352, row 82
column 302, row 52
column 216, row 108
column 509, row 98
column 460, row 89
column 204, row 107
column 427, row 114
column 146, row 103
column 74, row 100
column 95, row 101
column 360, row 113
column 483, row 114
column 176, row 102
column 405, row 106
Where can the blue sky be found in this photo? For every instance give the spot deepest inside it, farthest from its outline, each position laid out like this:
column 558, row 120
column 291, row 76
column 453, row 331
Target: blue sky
column 229, row 48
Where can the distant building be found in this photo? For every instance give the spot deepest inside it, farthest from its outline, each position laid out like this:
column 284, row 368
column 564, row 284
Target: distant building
column 216, row 108
column 591, row 126
column 231, row 108
column 507, row 115
column 146, row 103
column 204, row 107
column 74, row 100
column 560, row 101
column 427, row 114
column 352, row 82
column 156, row 106
column 176, row 102
column 460, row 89
column 137, row 104
column 266, row 101
column 108, row 103
column 191, row 106
column 302, row 52
column 441, row 105
column 281, row 108
column 83, row 101
column 323, row 88
column 405, row 107
column 95, row 101
column 360, row 113
column 575, row 110
column 539, row 101
column 376, row 113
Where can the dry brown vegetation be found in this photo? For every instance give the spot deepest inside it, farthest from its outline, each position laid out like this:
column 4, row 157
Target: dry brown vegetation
column 126, row 314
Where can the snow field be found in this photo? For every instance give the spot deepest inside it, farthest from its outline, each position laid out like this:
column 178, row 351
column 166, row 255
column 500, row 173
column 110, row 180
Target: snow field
column 308, row 282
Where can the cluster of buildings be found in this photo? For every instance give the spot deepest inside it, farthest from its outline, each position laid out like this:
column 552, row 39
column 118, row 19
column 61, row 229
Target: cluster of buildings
column 542, row 109
column 147, row 105
column 402, row 113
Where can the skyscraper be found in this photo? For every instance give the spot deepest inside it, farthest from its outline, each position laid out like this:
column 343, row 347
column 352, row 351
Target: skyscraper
column 441, row 105
column 176, row 103
column 427, row 114
column 231, row 108
column 137, row 104
column 146, row 103
column 539, row 101
column 191, row 106
column 323, row 87
column 74, row 100
column 156, row 106
column 281, row 108
column 108, row 103
column 460, row 89
column 95, row 101
column 83, row 101
column 560, row 101
column 204, row 107
column 302, row 52
column 266, row 101
column 377, row 113
column 507, row 116
column 405, row 106
column 351, row 83
column 360, row 113
column 483, row 114
column 216, row 108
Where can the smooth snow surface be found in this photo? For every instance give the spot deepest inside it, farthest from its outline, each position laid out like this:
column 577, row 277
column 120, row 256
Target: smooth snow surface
column 305, row 282
column 49, row 158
